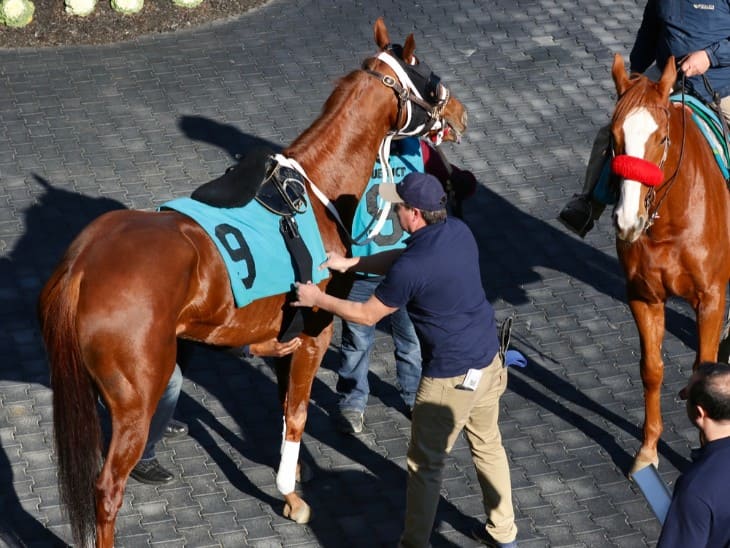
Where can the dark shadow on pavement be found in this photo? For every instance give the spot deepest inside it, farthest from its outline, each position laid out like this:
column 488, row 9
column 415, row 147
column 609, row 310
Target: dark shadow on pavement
column 224, row 136
column 514, row 244
column 51, row 224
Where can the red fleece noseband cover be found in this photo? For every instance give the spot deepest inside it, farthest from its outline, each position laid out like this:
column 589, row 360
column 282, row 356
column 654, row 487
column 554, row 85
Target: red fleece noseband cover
column 637, row 169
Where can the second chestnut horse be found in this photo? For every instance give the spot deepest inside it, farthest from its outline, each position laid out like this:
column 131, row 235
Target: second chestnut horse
column 672, row 224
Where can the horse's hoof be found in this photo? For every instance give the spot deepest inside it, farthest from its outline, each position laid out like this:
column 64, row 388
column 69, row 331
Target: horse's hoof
column 304, row 473
column 301, row 515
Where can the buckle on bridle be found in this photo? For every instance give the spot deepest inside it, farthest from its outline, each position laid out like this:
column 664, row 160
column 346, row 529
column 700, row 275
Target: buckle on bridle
column 389, row 81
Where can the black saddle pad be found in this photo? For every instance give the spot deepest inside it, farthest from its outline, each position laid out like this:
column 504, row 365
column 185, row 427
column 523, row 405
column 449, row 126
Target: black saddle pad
column 239, row 184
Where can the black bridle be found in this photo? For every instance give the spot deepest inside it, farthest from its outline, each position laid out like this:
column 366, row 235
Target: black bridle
column 652, row 208
column 415, row 85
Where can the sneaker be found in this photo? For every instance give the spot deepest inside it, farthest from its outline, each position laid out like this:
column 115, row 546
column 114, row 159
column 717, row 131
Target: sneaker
column 350, row 421
column 175, row 429
column 486, row 539
column 151, row 472
column 577, row 215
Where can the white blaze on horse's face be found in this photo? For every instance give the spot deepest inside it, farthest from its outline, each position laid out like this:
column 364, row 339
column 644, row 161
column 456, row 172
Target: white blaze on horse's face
column 638, row 127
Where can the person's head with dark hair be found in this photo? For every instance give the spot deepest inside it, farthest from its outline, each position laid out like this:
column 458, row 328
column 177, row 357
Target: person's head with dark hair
column 708, row 400
column 417, row 192
column 710, row 388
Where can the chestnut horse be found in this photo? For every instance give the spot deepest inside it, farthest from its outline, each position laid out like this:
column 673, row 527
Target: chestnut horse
column 672, row 224
column 113, row 310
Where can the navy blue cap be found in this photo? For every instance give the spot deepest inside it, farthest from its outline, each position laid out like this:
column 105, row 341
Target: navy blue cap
column 419, row 190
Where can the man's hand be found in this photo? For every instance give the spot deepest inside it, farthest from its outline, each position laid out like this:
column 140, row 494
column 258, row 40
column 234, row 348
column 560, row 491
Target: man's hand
column 275, row 349
column 307, row 294
column 695, row 63
column 338, row 262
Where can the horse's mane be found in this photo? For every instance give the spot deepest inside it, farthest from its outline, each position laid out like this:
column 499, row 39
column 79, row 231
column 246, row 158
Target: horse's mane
column 337, row 106
column 643, row 92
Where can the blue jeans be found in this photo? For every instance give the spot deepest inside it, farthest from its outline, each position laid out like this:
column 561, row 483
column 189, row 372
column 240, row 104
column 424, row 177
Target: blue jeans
column 357, row 341
column 163, row 413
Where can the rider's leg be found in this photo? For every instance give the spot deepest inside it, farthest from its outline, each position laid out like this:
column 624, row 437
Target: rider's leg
column 582, row 210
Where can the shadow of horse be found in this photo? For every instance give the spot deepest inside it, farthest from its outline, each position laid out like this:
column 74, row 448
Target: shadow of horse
column 51, row 224
column 518, row 262
column 515, row 246
column 224, row 136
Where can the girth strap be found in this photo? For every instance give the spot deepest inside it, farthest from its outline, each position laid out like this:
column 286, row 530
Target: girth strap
column 293, row 321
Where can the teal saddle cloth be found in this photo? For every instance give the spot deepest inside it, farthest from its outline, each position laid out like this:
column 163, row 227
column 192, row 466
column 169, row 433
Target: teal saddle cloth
column 252, row 248
column 710, row 126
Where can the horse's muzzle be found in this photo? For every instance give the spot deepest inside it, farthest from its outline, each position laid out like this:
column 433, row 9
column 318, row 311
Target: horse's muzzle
column 455, row 126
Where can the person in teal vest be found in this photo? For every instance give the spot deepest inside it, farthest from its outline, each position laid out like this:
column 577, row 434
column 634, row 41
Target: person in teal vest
column 407, row 156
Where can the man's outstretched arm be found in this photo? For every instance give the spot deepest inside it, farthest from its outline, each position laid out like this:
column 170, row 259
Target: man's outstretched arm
column 368, row 313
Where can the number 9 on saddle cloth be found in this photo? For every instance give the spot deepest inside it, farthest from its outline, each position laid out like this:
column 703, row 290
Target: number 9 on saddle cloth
column 280, row 190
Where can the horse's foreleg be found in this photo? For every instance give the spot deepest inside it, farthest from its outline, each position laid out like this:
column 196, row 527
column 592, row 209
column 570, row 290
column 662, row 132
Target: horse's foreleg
column 295, row 419
column 649, row 319
column 304, row 365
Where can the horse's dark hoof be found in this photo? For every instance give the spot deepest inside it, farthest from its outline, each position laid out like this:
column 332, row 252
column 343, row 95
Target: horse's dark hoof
column 175, row 429
column 151, row 472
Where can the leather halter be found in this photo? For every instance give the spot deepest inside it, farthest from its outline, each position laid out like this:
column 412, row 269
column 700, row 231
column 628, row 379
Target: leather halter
column 651, row 208
column 408, row 93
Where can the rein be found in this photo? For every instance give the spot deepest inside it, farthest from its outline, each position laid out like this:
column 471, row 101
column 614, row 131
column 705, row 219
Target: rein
column 669, row 183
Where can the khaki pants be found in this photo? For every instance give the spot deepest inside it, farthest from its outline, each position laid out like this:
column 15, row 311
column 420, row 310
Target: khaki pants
column 440, row 413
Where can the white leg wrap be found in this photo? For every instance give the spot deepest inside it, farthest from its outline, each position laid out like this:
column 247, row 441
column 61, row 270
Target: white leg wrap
column 286, row 477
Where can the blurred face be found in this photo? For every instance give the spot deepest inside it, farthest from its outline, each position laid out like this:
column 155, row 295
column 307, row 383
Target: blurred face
column 405, row 215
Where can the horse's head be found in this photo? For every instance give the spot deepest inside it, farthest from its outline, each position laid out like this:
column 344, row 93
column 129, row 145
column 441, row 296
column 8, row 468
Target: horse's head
column 392, row 94
column 425, row 105
column 640, row 138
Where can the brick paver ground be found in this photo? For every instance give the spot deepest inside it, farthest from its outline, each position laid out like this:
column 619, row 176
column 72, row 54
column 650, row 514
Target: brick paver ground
column 87, row 129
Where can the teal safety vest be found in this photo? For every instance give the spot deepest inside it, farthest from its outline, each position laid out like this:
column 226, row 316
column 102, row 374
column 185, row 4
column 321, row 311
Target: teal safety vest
column 408, row 160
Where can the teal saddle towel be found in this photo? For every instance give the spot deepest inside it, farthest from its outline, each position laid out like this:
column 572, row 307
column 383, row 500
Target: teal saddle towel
column 709, row 124
column 252, row 248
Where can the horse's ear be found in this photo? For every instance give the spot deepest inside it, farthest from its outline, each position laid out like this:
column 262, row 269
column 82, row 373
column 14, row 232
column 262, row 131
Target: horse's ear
column 618, row 71
column 381, row 33
column 669, row 77
column 409, row 48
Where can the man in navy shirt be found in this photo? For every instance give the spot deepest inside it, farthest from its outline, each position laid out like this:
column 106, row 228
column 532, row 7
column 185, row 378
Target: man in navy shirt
column 699, row 515
column 697, row 34
column 406, row 156
column 437, row 278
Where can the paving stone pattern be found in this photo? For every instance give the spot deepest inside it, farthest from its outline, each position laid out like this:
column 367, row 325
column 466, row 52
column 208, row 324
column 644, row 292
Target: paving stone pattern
column 87, row 129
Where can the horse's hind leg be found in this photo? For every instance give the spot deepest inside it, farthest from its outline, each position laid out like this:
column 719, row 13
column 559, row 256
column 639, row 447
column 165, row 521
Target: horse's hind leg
column 649, row 319
column 131, row 401
column 128, row 441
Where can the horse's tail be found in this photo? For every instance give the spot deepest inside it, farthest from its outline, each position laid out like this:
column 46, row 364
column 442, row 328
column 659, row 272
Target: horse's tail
column 77, row 432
